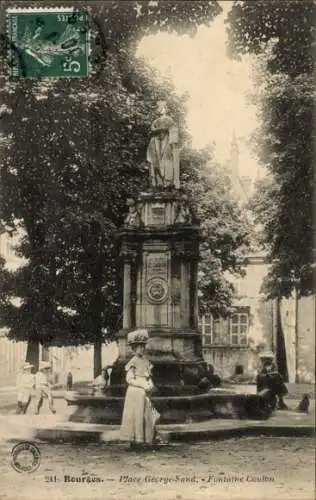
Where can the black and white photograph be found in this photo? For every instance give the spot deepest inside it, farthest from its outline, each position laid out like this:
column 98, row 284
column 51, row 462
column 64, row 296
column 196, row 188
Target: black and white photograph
column 157, row 249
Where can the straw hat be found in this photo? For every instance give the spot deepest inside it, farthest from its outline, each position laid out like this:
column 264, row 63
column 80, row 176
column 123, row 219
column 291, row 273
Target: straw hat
column 266, row 355
column 138, row 337
column 27, row 366
column 44, row 365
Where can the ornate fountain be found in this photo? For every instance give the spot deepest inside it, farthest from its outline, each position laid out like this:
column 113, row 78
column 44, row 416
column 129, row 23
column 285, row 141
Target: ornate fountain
column 160, row 253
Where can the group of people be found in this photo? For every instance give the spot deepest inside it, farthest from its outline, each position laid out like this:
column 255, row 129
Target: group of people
column 139, row 414
column 41, row 382
column 138, row 426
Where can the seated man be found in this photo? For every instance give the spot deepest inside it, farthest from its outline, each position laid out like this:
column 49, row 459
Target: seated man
column 270, row 378
column 210, row 379
column 214, row 379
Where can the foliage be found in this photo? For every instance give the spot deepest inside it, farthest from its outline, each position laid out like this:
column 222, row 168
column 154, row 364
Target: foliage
column 251, row 25
column 73, row 154
column 225, row 231
column 71, row 195
column 282, row 36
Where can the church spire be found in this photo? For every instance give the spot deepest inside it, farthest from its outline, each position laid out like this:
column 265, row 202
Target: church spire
column 234, row 154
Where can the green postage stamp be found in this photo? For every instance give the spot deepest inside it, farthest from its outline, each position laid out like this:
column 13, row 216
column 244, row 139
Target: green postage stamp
column 46, row 42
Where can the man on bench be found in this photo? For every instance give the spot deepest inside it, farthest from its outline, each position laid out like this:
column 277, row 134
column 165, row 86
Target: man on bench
column 270, row 378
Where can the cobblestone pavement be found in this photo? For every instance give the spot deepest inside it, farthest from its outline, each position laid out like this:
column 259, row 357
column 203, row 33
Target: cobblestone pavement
column 245, row 468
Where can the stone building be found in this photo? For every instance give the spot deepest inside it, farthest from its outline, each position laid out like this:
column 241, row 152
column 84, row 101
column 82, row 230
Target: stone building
column 296, row 330
column 232, row 344
column 12, row 354
column 286, row 326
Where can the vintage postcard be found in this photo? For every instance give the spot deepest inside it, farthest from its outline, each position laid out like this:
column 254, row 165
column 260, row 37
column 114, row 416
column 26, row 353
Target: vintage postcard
column 157, row 301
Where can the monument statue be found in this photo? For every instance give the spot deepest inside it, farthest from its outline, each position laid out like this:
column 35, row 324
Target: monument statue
column 163, row 151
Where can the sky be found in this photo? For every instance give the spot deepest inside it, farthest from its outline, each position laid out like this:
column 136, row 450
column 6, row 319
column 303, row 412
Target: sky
column 218, row 88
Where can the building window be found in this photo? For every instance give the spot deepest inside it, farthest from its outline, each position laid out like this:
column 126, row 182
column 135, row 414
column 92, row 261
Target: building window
column 239, row 370
column 239, row 328
column 225, row 331
column 206, row 328
column 221, row 331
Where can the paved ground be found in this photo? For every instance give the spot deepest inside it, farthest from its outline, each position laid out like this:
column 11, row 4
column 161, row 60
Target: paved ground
column 247, row 468
column 244, row 469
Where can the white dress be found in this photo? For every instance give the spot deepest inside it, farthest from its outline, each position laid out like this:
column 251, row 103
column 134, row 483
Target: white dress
column 139, row 416
column 25, row 383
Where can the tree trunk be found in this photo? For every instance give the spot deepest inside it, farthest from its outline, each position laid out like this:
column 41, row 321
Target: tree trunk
column 32, row 353
column 280, row 347
column 97, row 359
column 45, row 354
column 94, row 250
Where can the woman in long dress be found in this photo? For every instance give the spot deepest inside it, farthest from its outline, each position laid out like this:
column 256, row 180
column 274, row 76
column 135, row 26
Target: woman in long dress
column 139, row 415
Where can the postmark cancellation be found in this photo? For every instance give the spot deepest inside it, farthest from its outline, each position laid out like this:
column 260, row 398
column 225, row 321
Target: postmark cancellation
column 25, row 457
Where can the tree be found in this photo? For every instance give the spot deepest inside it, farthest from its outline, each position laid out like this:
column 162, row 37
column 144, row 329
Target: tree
column 73, row 156
column 283, row 36
column 71, row 196
column 226, row 233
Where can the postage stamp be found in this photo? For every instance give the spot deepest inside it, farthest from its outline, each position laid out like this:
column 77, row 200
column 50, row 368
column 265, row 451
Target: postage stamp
column 48, row 42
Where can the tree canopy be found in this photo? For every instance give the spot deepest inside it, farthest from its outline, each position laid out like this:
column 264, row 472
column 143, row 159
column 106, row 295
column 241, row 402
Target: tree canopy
column 282, row 35
column 225, row 229
column 73, row 154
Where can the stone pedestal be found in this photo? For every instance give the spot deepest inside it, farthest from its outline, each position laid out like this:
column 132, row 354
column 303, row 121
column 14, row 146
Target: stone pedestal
column 159, row 250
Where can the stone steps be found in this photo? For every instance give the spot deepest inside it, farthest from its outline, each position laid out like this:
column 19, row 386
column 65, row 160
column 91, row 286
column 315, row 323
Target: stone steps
column 54, row 428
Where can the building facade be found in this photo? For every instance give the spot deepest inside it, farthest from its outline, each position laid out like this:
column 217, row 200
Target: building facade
column 296, row 334
column 286, row 326
column 232, row 344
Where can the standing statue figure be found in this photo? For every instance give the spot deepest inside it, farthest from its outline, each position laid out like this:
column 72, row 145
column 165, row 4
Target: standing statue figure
column 133, row 218
column 163, row 151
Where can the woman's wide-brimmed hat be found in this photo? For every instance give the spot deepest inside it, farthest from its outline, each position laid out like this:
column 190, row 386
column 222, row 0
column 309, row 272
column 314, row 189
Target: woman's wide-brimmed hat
column 138, row 337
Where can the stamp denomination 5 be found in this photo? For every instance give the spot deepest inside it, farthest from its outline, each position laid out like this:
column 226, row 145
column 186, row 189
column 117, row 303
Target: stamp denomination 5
column 48, row 42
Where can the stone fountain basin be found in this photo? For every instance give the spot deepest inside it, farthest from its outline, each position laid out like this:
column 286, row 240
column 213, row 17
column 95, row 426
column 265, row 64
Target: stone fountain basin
column 216, row 403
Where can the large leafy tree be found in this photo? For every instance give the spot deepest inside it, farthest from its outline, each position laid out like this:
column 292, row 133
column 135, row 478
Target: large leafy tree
column 70, row 193
column 282, row 35
column 225, row 229
column 73, row 154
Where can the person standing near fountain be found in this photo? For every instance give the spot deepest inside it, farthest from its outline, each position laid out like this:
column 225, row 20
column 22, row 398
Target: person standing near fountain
column 25, row 384
column 139, row 416
column 43, row 387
